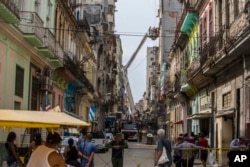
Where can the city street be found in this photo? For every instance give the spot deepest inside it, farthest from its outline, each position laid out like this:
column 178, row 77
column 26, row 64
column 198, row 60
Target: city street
column 137, row 155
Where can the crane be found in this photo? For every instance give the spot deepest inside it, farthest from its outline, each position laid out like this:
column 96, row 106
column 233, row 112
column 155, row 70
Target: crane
column 153, row 33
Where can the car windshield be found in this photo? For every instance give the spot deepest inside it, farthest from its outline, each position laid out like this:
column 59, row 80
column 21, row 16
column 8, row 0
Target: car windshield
column 129, row 126
column 65, row 141
column 98, row 135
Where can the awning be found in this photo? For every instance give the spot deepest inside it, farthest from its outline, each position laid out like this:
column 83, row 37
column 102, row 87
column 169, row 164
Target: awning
column 179, row 122
column 38, row 119
column 200, row 115
column 227, row 112
column 188, row 90
column 190, row 21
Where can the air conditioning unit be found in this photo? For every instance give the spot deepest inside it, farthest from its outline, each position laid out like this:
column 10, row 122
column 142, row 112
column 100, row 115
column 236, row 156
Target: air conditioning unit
column 46, row 84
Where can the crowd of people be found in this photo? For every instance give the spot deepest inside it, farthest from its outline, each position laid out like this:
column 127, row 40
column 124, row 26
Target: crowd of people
column 185, row 149
column 45, row 154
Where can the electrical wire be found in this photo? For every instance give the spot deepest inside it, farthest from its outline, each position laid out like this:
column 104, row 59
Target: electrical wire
column 129, row 34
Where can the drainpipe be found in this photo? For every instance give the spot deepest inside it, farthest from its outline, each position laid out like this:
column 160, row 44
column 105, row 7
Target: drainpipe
column 244, row 92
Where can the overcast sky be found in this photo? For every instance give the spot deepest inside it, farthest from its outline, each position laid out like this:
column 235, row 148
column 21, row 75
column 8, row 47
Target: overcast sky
column 132, row 20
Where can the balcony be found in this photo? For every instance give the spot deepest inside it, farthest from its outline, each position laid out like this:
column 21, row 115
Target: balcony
column 48, row 48
column 83, row 23
column 59, row 56
column 237, row 41
column 9, row 11
column 195, row 76
column 46, row 84
column 31, row 26
column 76, row 73
column 188, row 20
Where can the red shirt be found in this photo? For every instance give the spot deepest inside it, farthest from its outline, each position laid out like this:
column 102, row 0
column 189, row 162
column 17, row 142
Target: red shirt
column 203, row 142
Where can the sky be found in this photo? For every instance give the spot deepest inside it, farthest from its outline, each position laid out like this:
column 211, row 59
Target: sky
column 132, row 20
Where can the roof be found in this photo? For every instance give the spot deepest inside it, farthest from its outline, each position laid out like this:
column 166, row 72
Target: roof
column 38, row 119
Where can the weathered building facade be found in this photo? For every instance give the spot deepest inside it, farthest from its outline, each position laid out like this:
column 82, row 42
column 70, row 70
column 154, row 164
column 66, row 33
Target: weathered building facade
column 52, row 50
column 209, row 69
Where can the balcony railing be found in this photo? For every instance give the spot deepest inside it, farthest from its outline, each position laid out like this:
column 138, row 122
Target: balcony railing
column 209, row 50
column 77, row 72
column 49, row 40
column 187, row 9
column 59, row 52
column 239, row 25
column 9, row 11
column 31, row 24
column 194, row 67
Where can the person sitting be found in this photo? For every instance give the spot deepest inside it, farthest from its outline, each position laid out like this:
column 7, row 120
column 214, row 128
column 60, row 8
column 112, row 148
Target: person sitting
column 71, row 154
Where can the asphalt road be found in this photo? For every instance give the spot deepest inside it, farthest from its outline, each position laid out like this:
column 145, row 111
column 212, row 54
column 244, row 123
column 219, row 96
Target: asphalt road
column 137, row 155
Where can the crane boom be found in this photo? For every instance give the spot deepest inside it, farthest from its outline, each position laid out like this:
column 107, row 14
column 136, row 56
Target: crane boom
column 136, row 52
column 153, row 33
column 125, row 76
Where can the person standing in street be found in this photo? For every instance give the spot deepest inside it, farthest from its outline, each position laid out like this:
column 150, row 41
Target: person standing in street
column 12, row 159
column 71, row 154
column 118, row 145
column 37, row 141
column 187, row 149
column 178, row 153
column 163, row 142
column 238, row 144
column 88, row 150
column 46, row 155
column 204, row 153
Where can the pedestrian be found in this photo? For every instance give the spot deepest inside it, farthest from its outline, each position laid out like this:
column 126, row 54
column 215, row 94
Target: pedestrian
column 13, row 159
column 37, row 141
column 163, row 142
column 118, row 145
column 87, row 149
column 238, row 144
column 71, row 154
column 203, row 153
column 187, row 156
column 46, row 155
column 82, row 137
column 177, row 158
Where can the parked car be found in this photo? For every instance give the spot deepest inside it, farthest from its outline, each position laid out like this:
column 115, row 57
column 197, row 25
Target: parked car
column 109, row 136
column 100, row 140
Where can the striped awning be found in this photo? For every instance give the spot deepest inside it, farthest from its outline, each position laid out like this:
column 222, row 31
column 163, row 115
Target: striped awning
column 189, row 90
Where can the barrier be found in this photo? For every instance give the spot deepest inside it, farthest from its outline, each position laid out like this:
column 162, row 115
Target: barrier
column 219, row 154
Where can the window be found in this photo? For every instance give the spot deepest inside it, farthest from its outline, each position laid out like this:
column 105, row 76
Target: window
column 49, row 11
column 210, row 23
column 17, row 105
column 19, row 81
column 226, row 99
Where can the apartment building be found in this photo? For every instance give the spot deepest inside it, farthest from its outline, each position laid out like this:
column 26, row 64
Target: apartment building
column 53, row 51
column 209, row 72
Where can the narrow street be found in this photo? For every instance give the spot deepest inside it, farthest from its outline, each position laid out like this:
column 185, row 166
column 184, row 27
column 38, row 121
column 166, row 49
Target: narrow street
column 137, row 155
